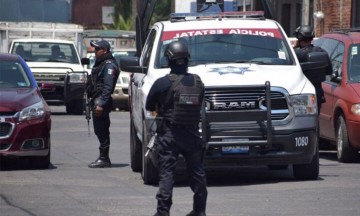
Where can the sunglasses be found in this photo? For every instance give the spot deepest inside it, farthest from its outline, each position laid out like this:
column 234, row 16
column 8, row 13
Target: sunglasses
column 97, row 49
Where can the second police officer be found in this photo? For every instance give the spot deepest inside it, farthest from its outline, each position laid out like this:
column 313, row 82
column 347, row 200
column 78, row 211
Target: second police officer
column 178, row 131
column 101, row 85
column 303, row 46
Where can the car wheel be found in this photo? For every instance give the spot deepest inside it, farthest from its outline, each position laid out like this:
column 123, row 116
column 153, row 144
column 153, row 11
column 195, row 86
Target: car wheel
column 150, row 173
column 42, row 162
column 135, row 149
column 308, row 171
column 345, row 152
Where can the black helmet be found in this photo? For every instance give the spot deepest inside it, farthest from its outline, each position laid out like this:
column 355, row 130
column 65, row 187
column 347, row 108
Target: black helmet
column 177, row 52
column 304, row 32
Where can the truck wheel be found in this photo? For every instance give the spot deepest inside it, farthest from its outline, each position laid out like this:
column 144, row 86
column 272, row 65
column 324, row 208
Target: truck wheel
column 307, row 171
column 150, row 173
column 135, row 149
column 76, row 107
column 345, row 152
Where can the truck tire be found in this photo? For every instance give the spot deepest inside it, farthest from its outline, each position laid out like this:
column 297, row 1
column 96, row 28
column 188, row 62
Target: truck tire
column 307, row 171
column 150, row 173
column 135, row 149
column 345, row 152
column 76, row 107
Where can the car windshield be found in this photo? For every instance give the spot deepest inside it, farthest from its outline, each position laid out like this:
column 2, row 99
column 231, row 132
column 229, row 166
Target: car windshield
column 13, row 75
column 118, row 54
column 354, row 63
column 46, row 52
column 232, row 48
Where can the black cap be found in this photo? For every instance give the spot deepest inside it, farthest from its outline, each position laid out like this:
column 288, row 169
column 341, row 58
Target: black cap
column 103, row 44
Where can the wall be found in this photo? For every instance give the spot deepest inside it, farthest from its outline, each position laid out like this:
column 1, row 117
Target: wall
column 89, row 12
column 337, row 14
column 35, row 10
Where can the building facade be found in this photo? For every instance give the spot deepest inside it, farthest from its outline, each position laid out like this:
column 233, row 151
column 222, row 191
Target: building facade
column 324, row 15
column 337, row 14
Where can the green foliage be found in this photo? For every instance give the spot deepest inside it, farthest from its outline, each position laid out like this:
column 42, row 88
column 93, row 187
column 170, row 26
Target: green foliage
column 162, row 11
column 122, row 16
column 120, row 24
column 124, row 19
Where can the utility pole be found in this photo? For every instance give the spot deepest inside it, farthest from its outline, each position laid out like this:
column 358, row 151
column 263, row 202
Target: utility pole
column 305, row 12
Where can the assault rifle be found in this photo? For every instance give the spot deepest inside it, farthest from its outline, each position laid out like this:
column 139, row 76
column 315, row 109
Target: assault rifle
column 89, row 107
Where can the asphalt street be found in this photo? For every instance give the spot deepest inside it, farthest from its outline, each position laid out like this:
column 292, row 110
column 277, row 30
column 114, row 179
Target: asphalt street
column 69, row 187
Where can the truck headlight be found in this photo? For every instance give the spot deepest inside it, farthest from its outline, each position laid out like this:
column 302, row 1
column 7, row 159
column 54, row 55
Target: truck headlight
column 77, row 77
column 355, row 109
column 32, row 112
column 304, row 104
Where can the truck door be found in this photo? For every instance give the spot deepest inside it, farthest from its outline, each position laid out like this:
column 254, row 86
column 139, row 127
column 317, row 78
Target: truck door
column 145, row 10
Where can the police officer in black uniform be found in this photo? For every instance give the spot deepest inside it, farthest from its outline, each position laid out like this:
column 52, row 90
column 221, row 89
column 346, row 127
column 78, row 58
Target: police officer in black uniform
column 100, row 86
column 174, row 139
column 303, row 46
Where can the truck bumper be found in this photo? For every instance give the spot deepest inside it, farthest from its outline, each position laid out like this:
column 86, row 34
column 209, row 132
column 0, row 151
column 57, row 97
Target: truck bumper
column 293, row 143
column 64, row 93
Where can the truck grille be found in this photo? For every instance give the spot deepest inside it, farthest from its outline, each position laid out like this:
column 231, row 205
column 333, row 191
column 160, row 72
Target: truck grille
column 246, row 98
column 43, row 77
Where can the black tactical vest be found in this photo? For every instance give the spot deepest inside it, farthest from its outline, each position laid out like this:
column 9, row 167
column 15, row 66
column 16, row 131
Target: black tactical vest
column 315, row 76
column 97, row 76
column 187, row 101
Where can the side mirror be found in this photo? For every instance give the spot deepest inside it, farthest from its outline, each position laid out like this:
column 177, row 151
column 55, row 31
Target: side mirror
column 85, row 61
column 336, row 77
column 131, row 64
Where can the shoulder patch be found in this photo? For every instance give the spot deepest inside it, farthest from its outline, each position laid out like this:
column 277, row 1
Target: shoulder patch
column 110, row 71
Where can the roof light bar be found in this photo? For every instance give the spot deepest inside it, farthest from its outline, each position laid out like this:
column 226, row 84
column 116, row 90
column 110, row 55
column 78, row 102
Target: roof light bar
column 216, row 15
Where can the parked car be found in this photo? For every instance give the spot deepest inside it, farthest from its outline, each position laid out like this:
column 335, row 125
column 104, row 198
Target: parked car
column 340, row 114
column 25, row 117
column 120, row 95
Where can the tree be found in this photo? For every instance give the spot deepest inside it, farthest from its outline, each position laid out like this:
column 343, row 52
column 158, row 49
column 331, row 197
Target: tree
column 125, row 13
column 162, row 11
column 122, row 16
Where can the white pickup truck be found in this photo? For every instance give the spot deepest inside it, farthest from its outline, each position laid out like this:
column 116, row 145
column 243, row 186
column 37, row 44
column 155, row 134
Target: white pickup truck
column 52, row 51
column 259, row 107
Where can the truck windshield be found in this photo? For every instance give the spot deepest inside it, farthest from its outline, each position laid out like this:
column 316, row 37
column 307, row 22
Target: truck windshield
column 232, row 48
column 46, row 52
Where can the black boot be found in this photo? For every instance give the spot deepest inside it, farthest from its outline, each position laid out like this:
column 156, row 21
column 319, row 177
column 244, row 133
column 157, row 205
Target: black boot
column 103, row 160
column 194, row 213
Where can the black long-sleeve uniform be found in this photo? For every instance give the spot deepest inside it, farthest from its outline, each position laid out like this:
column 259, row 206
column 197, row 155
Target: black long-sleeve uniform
column 175, row 140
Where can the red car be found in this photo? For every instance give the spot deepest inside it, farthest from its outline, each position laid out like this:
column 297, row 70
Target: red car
column 25, row 120
column 340, row 114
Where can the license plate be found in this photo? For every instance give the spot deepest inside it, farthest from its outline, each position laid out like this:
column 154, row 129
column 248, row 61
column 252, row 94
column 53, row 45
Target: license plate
column 235, row 149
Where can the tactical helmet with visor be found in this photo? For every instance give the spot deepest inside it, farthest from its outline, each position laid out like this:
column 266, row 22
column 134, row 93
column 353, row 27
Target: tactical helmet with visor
column 177, row 53
column 304, row 32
